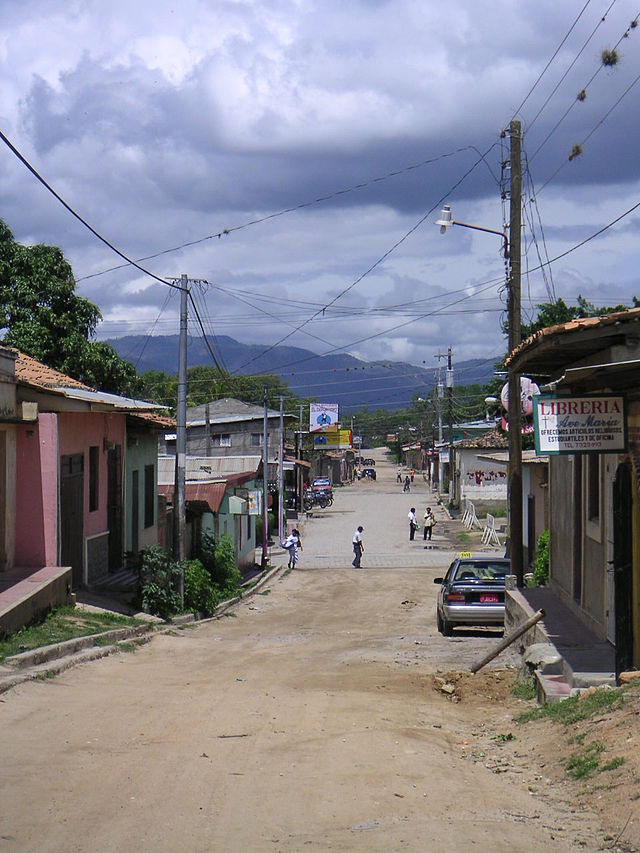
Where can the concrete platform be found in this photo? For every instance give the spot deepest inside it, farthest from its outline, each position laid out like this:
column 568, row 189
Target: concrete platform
column 26, row 594
column 587, row 659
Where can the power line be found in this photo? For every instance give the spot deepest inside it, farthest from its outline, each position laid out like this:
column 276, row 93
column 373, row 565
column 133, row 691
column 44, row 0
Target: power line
column 545, row 69
column 375, row 264
column 320, row 199
column 80, row 219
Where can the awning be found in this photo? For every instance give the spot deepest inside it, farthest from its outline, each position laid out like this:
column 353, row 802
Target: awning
column 211, row 494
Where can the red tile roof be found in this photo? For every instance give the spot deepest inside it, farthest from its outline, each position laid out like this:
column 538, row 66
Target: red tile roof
column 562, row 329
column 495, row 438
column 32, row 372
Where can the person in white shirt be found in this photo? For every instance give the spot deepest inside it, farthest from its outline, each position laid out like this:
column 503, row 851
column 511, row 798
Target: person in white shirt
column 413, row 523
column 291, row 544
column 358, row 547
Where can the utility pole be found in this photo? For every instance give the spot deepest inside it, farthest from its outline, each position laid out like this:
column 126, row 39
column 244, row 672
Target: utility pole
column 514, row 315
column 179, row 519
column 265, row 483
column 207, row 417
column 281, row 474
column 452, row 491
column 440, row 399
column 300, row 477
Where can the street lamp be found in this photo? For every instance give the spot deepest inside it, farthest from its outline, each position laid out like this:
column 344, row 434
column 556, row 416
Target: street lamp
column 446, row 220
column 512, row 251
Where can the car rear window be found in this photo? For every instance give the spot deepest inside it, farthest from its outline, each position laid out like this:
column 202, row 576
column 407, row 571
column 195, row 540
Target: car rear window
column 482, row 571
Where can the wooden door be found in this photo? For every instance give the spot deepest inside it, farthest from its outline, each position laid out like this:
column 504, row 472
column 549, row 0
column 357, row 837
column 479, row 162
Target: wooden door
column 135, row 510
column 72, row 515
column 114, row 507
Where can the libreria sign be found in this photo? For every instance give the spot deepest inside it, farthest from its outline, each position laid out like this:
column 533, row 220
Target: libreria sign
column 590, row 424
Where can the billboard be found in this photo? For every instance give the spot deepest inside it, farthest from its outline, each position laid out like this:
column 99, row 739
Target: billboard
column 322, row 416
column 592, row 423
column 333, row 439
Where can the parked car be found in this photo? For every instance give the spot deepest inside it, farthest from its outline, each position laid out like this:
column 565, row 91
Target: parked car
column 471, row 593
column 369, row 473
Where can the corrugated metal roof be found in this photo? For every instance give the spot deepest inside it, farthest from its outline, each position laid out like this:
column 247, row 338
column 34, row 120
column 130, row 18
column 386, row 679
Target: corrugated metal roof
column 211, row 493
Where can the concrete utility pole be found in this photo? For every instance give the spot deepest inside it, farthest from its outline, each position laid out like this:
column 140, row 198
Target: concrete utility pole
column 265, row 484
column 514, row 308
column 179, row 517
column 452, row 491
column 440, row 398
column 299, row 475
column 281, row 474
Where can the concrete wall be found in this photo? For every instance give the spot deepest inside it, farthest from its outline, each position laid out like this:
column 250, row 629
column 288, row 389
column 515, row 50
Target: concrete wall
column 36, row 532
column 8, row 490
column 561, row 470
column 480, row 480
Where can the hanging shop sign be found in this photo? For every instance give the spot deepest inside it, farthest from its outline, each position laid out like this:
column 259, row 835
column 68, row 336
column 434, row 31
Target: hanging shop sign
column 588, row 424
column 322, row 416
column 254, row 501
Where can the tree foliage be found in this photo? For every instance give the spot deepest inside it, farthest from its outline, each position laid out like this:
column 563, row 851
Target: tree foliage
column 553, row 313
column 44, row 317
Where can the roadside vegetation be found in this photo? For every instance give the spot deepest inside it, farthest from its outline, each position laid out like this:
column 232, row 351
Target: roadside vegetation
column 63, row 623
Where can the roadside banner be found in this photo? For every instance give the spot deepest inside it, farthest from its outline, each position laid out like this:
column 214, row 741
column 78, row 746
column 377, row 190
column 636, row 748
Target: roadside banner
column 322, row 416
column 333, row 439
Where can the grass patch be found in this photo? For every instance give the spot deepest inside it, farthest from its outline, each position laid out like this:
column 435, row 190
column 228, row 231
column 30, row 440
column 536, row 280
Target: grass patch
column 127, row 647
column 584, row 764
column 503, row 738
column 574, row 709
column 524, row 688
column 616, row 762
column 63, row 623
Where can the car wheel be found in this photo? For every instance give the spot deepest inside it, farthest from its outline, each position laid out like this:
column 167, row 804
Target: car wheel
column 438, row 621
column 447, row 628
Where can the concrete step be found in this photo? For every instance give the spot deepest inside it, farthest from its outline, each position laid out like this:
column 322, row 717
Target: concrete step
column 551, row 688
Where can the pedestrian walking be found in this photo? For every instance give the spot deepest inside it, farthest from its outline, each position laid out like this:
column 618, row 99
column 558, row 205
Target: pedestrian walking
column 413, row 523
column 429, row 521
column 412, row 474
column 407, row 484
column 399, row 475
column 292, row 544
column 358, row 547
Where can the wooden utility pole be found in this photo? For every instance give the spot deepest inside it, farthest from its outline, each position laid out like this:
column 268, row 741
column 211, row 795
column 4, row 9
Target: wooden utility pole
column 514, row 319
column 452, row 492
column 281, row 474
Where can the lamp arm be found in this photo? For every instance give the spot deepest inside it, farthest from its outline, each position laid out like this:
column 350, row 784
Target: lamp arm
column 488, row 231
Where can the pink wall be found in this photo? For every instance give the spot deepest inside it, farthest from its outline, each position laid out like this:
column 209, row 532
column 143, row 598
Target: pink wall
column 37, row 493
column 78, row 431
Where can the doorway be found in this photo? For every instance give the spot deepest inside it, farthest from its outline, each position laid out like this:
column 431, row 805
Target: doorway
column 623, row 567
column 114, row 507
column 72, row 515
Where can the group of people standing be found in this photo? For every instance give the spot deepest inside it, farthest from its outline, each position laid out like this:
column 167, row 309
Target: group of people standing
column 429, row 523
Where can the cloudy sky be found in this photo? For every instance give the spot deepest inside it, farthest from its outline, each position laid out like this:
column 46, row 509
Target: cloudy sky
column 324, row 137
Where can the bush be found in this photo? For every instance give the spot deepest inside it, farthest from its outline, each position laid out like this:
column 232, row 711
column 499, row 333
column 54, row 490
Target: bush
column 200, row 595
column 160, row 579
column 227, row 576
column 541, row 567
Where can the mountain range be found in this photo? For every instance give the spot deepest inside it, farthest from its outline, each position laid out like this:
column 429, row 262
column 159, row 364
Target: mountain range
column 338, row 378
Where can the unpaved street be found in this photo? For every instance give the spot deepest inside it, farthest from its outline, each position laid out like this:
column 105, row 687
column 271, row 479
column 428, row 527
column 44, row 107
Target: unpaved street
column 307, row 721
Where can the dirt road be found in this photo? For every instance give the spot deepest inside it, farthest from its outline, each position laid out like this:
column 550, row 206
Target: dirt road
column 310, row 720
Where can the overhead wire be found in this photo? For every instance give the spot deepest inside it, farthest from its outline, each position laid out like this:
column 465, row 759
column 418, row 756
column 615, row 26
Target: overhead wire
column 376, row 263
column 556, row 52
column 76, row 215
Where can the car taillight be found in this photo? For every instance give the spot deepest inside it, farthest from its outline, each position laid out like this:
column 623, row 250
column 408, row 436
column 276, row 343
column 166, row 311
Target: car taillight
column 455, row 596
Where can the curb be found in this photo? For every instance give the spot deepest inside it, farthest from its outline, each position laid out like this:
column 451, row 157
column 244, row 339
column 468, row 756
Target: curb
column 49, row 661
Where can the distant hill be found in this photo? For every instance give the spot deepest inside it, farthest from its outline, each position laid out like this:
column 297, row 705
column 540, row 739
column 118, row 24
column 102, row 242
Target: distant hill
column 338, row 378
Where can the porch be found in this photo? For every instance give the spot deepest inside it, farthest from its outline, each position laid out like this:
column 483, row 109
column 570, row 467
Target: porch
column 26, row 594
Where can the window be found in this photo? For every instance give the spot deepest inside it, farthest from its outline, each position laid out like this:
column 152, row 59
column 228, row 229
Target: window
column 221, row 439
column 256, row 439
column 149, row 495
column 94, row 466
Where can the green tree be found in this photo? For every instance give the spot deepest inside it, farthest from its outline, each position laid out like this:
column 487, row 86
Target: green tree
column 45, row 318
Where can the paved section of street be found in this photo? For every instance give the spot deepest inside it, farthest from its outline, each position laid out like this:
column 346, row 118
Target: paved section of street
column 312, row 720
